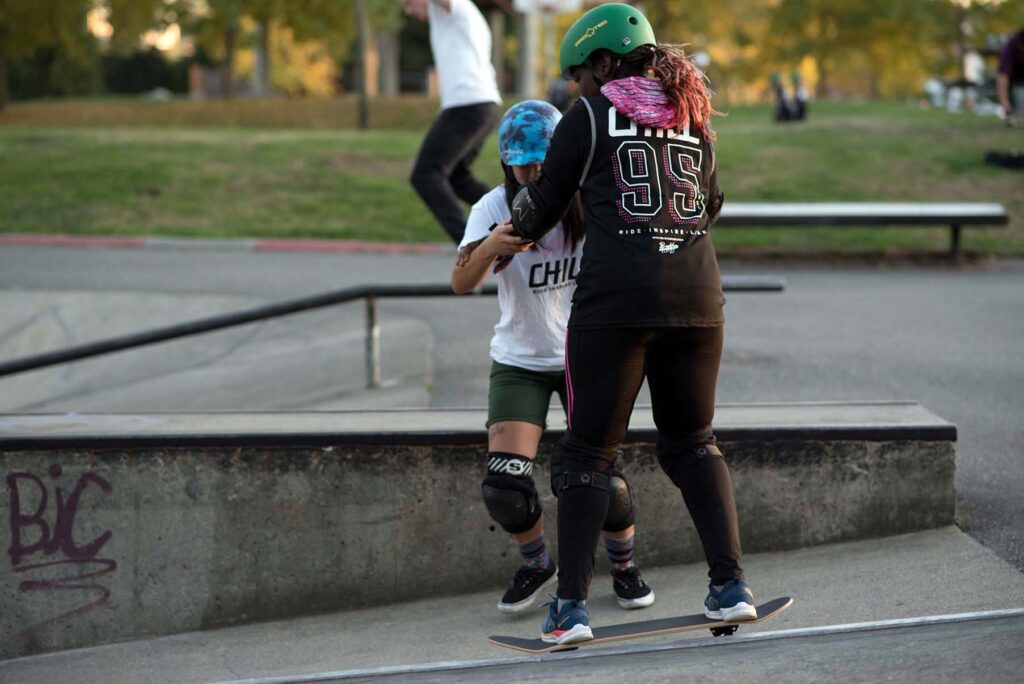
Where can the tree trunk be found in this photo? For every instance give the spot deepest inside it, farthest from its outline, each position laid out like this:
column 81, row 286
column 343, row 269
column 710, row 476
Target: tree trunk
column 961, row 38
column 529, row 39
column 363, row 37
column 821, row 89
column 261, row 77
column 4, row 93
column 822, row 58
column 496, row 18
column 228, row 68
column 388, row 49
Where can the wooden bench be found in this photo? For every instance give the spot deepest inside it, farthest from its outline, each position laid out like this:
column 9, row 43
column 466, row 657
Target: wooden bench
column 956, row 215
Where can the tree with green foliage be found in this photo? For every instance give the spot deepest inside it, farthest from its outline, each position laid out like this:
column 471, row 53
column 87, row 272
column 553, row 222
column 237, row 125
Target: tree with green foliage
column 871, row 47
column 216, row 26
column 729, row 30
column 4, row 30
column 837, row 34
column 881, row 47
column 54, row 33
column 130, row 19
column 334, row 22
column 228, row 17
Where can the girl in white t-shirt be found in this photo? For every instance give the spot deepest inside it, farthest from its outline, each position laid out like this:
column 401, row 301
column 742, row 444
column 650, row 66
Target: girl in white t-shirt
column 528, row 350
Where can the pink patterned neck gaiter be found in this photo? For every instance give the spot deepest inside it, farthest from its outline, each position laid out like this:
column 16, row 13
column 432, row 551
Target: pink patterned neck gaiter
column 642, row 100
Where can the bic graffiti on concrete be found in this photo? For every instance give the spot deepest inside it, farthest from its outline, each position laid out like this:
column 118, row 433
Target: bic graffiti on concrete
column 36, row 545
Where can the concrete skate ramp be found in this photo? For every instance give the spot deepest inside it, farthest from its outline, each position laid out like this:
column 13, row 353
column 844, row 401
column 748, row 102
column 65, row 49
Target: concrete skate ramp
column 959, row 648
column 234, row 518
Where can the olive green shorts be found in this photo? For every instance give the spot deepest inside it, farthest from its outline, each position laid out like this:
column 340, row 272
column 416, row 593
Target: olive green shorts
column 524, row 395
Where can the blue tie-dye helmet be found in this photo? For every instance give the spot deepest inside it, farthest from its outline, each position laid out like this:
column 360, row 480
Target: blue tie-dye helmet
column 525, row 132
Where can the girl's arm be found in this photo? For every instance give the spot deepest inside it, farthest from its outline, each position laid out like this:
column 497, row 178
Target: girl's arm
column 715, row 195
column 539, row 206
column 473, row 261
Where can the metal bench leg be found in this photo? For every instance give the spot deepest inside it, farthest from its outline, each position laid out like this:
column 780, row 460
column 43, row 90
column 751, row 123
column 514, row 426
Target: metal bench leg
column 954, row 241
column 372, row 344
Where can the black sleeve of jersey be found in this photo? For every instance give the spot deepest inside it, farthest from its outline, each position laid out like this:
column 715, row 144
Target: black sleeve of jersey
column 716, row 197
column 550, row 194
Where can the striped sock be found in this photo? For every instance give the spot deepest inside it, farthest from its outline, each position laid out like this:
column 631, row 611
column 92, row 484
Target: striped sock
column 620, row 553
column 535, row 554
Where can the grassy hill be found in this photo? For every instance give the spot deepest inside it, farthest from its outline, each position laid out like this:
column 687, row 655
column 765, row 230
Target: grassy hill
column 281, row 168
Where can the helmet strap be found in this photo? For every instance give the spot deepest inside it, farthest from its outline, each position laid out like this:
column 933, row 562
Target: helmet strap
column 512, row 186
column 509, row 175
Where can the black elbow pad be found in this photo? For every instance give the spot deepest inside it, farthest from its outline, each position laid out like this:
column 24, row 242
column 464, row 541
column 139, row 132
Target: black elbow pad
column 525, row 216
column 715, row 208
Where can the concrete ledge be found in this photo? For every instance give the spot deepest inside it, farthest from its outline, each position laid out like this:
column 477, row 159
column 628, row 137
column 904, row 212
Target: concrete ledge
column 864, row 420
column 132, row 525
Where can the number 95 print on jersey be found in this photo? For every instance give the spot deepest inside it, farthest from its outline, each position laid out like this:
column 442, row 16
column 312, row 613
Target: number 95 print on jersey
column 659, row 185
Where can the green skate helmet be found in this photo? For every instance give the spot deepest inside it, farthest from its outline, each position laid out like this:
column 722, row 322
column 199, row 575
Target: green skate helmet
column 615, row 27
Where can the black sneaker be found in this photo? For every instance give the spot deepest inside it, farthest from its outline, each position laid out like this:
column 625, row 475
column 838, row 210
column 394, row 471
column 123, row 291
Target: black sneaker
column 630, row 589
column 524, row 588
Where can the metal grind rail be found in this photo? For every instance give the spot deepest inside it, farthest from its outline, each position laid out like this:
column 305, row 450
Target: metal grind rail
column 477, row 670
column 369, row 293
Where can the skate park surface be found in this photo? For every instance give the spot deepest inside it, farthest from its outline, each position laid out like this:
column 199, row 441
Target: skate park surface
column 947, row 337
column 938, row 572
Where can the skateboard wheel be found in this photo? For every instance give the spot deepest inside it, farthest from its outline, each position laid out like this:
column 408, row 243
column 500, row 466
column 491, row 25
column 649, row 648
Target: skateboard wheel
column 724, row 631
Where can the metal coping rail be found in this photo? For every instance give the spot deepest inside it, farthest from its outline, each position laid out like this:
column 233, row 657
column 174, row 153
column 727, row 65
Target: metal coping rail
column 370, row 293
column 438, row 668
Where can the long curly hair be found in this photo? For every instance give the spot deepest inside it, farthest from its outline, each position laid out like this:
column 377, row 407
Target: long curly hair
column 685, row 85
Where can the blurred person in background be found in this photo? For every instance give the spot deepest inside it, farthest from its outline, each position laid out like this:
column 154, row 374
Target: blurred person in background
column 799, row 97
column 974, row 78
column 783, row 110
column 1010, row 77
column 460, row 41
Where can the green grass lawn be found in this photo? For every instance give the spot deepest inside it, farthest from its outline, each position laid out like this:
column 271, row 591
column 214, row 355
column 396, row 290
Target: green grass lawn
column 282, row 168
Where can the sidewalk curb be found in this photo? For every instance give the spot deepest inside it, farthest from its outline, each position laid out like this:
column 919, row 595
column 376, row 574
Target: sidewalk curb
column 882, row 260
column 240, row 245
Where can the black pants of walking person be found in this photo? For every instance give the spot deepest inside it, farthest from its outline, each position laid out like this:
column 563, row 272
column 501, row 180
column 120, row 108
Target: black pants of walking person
column 604, row 371
column 442, row 174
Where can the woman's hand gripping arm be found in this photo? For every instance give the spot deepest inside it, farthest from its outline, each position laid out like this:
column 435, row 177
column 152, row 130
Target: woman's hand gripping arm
column 476, row 258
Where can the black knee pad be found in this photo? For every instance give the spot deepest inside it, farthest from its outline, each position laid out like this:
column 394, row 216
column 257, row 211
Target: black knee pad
column 621, row 506
column 676, row 459
column 581, row 478
column 509, row 493
column 567, row 457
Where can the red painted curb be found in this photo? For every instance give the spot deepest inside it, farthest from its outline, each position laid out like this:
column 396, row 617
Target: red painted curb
column 72, row 240
column 348, row 246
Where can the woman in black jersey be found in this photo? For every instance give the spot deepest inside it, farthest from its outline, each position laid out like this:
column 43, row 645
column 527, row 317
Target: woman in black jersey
column 638, row 147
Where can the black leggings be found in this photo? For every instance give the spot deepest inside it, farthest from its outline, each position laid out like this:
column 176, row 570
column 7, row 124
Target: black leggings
column 441, row 174
column 604, row 371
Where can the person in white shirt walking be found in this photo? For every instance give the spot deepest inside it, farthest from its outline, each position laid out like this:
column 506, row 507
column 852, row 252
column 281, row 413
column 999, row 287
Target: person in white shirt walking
column 535, row 289
column 460, row 40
